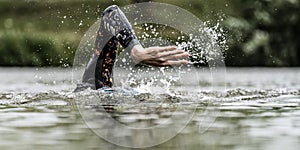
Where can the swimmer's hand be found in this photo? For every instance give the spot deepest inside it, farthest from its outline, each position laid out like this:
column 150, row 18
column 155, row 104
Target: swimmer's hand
column 159, row 56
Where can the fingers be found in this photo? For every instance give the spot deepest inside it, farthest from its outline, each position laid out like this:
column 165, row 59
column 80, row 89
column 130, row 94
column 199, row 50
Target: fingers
column 163, row 56
column 166, row 48
column 166, row 63
column 175, row 62
column 179, row 55
column 167, row 53
column 157, row 50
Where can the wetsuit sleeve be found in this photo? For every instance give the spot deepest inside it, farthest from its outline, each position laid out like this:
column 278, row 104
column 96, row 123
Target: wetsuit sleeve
column 116, row 23
column 114, row 28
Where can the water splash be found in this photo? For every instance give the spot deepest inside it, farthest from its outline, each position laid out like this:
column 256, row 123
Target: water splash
column 205, row 45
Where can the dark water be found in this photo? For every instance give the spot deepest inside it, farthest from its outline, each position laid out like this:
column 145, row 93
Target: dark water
column 259, row 110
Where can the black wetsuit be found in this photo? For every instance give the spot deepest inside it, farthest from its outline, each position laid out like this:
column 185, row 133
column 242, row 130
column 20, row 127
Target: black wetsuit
column 114, row 29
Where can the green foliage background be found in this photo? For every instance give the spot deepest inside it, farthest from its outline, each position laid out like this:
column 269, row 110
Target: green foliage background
column 47, row 32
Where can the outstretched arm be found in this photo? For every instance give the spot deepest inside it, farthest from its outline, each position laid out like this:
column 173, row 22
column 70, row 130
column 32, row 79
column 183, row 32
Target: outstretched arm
column 159, row 56
column 115, row 28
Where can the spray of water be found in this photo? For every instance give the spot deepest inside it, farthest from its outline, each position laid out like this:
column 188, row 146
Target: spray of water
column 203, row 46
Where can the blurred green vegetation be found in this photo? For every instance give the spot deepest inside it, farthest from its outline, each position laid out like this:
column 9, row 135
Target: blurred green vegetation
column 47, row 32
column 265, row 33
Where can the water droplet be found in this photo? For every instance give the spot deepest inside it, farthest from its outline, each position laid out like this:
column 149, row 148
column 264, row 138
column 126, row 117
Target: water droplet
column 80, row 24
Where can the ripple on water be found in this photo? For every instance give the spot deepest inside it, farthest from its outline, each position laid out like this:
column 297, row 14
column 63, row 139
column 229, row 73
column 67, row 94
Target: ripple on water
column 248, row 113
column 29, row 119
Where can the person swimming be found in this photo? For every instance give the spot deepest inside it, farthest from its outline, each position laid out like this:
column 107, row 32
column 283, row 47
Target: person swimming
column 115, row 29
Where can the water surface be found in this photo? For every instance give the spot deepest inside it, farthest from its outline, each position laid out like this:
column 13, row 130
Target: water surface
column 259, row 110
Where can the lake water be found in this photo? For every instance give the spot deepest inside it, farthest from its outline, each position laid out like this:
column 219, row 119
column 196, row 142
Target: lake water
column 260, row 109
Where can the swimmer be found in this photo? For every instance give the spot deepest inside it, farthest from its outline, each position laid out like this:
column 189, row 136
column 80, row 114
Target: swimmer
column 115, row 29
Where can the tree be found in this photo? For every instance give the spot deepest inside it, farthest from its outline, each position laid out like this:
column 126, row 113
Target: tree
column 268, row 31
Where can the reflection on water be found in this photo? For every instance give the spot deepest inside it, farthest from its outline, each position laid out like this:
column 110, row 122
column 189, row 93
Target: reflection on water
column 260, row 110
